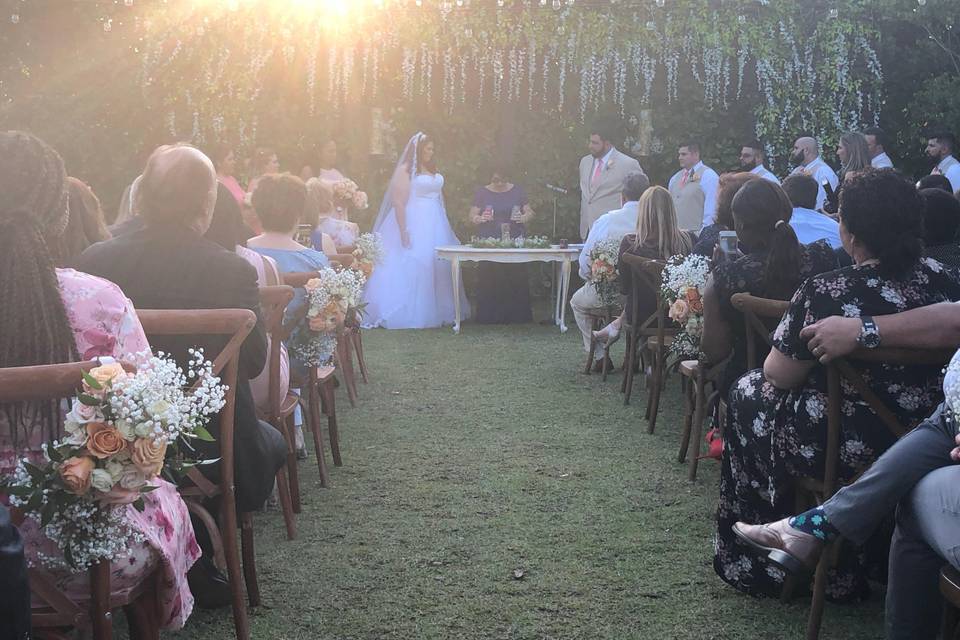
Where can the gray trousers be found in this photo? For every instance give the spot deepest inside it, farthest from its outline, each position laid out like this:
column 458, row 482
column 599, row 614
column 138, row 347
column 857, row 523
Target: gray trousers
column 917, row 474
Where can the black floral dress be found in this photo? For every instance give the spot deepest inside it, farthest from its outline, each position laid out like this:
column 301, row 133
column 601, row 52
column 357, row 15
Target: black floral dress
column 745, row 275
column 774, row 436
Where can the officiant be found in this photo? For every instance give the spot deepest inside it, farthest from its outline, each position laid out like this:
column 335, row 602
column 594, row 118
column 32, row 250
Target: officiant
column 500, row 210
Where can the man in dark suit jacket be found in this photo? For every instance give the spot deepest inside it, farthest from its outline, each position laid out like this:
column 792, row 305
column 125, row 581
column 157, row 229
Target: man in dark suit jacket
column 168, row 264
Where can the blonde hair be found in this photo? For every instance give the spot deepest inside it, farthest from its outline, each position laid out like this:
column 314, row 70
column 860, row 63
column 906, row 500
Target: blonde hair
column 319, row 201
column 657, row 225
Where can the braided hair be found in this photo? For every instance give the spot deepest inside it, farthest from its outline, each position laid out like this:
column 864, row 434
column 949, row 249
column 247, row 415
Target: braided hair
column 34, row 328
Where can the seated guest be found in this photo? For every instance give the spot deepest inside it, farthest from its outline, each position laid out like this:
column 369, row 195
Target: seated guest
column 809, row 225
column 657, row 237
column 774, row 266
column 279, row 201
column 228, row 231
column 503, row 290
column 610, row 226
column 329, row 231
column 730, row 183
column 941, row 220
column 85, row 225
column 61, row 315
column 777, row 419
column 915, row 472
column 170, row 265
column 934, row 181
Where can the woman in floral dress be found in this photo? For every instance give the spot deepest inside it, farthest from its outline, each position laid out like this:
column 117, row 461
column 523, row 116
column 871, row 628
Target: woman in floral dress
column 777, row 423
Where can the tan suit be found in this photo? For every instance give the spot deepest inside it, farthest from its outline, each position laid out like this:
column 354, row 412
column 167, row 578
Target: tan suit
column 597, row 199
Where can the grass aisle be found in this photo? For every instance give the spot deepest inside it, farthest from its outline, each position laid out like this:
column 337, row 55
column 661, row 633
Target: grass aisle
column 470, row 457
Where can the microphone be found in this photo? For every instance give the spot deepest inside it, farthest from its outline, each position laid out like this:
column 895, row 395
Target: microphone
column 557, row 189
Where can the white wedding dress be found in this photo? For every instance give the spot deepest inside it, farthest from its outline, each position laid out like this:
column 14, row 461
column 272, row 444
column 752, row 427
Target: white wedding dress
column 412, row 288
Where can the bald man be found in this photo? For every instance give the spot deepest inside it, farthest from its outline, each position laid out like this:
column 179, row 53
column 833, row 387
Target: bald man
column 806, row 155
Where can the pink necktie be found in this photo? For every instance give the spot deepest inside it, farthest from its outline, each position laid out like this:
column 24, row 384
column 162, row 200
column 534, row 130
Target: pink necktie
column 684, row 178
column 596, row 174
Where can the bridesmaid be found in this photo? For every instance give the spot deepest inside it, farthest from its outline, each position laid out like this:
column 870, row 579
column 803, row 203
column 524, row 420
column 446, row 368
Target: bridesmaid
column 503, row 291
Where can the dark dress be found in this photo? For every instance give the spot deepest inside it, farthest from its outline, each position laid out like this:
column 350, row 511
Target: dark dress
column 707, row 241
column 648, row 304
column 745, row 275
column 774, row 436
column 503, row 290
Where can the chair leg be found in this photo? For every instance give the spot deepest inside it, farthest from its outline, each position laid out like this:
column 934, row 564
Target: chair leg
column 346, row 366
column 228, row 528
column 249, row 559
column 700, row 393
column 689, row 398
column 588, row 368
column 283, row 488
column 329, row 404
column 629, row 375
column 293, row 468
column 820, row 590
column 356, row 339
column 143, row 615
column 653, row 402
column 628, row 360
column 315, row 427
column 606, row 362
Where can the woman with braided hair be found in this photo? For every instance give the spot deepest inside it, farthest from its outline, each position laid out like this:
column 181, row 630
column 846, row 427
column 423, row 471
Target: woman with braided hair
column 51, row 316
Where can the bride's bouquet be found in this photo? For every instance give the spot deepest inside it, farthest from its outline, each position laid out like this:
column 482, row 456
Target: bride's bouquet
column 367, row 253
column 118, row 433
column 346, row 194
column 684, row 279
column 333, row 298
column 603, row 260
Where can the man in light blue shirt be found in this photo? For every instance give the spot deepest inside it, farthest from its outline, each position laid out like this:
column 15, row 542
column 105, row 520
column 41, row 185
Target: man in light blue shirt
column 808, row 224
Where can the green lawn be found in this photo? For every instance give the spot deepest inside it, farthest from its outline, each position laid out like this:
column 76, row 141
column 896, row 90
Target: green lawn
column 472, row 456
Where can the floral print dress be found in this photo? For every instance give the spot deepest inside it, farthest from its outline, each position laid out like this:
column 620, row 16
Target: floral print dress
column 774, row 436
column 104, row 324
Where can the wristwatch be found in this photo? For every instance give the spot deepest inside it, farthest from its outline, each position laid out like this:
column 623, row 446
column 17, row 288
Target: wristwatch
column 869, row 333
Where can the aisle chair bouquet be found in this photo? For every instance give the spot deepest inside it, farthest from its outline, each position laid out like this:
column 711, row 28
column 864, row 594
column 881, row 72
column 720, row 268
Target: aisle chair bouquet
column 367, row 253
column 603, row 260
column 334, row 299
column 347, row 194
column 684, row 279
column 123, row 430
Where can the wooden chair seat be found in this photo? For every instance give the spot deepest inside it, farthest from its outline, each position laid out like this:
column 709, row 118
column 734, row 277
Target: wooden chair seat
column 654, row 342
column 289, row 404
column 689, row 368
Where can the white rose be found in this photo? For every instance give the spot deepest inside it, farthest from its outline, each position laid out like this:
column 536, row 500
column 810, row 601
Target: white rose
column 158, row 408
column 101, row 480
column 81, row 413
column 125, row 428
column 132, row 478
column 143, row 430
column 115, row 469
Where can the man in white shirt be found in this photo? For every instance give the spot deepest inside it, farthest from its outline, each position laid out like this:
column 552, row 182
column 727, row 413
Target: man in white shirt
column 602, row 173
column 940, row 147
column 806, row 155
column 809, row 225
column 876, row 145
column 694, row 189
column 610, row 226
column 751, row 159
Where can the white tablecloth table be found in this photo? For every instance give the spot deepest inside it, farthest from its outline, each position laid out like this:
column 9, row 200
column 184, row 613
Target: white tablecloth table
column 561, row 257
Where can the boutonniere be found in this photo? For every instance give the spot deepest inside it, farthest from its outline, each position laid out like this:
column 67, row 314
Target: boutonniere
column 694, row 178
column 609, row 164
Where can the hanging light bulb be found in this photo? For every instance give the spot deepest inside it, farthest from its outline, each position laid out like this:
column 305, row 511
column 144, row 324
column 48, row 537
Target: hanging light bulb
column 108, row 25
column 15, row 18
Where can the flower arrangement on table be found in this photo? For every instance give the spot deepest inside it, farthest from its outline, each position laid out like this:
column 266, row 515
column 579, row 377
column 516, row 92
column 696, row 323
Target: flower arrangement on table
column 123, row 430
column 367, row 253
column 347, row 194
column 684, row 279
column 533, row 242
column 603, row 259
column 334, row 299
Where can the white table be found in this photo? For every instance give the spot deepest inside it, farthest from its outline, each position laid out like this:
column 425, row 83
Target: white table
column 562, row 257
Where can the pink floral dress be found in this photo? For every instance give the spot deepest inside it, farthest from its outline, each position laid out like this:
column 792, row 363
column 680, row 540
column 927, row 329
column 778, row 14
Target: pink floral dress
column 105, row 324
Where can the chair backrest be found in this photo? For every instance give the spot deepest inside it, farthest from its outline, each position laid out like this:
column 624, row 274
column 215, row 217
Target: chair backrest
column 235, row 323
column 273, row 302
column 846, row 369
column 51, row 607
column 647, row 275
column 755, row 312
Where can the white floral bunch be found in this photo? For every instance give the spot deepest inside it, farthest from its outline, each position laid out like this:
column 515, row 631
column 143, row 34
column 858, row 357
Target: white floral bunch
column 332, row 298
column 367, row 253
column 603, row 259
column 684, row 279
column 118, row 432
column 346, row 193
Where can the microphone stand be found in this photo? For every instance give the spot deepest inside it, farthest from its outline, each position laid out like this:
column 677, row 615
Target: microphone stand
column 556, row 195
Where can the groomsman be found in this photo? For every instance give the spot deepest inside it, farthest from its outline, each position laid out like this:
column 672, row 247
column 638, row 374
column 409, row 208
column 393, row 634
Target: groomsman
column 751, row 159
column 806, row 155
column 940, row 147
column 876, row 144
column 694, row 189
column 602, row 173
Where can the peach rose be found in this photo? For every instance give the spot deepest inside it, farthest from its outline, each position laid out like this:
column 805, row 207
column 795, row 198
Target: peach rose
column 365, row 267
column 694, row 300
column 119, row 495
column 103, row 441
column 107, row 372
column 147, row 455
column 75, row 473
column 330, row 318
column 679, row 311
column 312, row 284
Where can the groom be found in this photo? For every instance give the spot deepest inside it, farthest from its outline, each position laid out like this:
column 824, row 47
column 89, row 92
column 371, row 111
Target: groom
column 602, row 173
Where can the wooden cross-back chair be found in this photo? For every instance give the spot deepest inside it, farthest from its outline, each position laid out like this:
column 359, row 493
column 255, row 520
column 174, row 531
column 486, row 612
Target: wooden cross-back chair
column 760, row 316
column 646, row 278
column 815, row 491
column 52, row 611
column 320, row 386
column 273, row 304
column 237, row 324
column 599, row 320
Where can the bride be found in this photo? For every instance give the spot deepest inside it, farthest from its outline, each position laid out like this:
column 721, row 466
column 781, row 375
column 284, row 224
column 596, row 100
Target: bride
column 412, row 288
